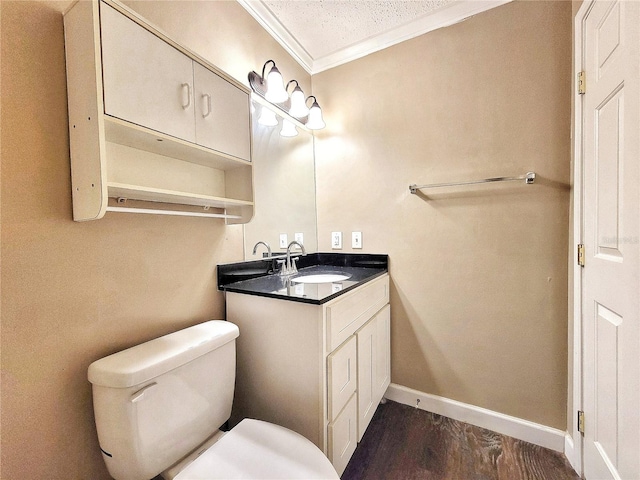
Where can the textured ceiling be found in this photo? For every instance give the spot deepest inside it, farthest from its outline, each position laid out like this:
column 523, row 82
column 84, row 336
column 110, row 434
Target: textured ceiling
column 327, row 26
column 322, row 34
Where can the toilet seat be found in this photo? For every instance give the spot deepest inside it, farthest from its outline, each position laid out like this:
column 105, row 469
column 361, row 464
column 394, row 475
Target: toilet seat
column 260, row 450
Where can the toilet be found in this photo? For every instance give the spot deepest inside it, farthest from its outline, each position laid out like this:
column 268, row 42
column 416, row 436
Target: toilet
column 159, row 406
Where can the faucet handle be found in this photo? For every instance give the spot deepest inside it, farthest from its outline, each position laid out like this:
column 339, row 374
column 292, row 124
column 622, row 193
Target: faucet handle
column 294, row 267
column 283, row 270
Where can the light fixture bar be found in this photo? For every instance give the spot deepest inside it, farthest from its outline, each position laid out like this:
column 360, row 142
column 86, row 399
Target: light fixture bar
column 273, row 91
column 280, row 112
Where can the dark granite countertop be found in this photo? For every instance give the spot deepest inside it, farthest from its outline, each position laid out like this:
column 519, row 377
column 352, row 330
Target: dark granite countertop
column 257, row 277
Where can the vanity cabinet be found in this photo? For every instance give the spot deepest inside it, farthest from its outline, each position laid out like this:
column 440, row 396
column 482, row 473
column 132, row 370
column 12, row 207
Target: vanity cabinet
column 320, row 370
column 150, row 121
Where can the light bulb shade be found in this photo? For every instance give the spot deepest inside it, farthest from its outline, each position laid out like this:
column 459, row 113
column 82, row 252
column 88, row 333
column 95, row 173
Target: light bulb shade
column 288, row 129
column 275, row 87
column 315, row 121
column 267, row 118
column 298, row 108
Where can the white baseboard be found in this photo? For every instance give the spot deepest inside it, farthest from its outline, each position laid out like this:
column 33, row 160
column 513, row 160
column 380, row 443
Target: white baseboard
column 481, row 417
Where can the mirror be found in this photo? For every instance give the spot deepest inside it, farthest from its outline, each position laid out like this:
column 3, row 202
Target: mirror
column 284, row 188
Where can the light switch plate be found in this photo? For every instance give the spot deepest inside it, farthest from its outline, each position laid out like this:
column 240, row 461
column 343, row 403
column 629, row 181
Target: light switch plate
column 299, row 237
column 356, row 239
column 336, row 240
column 283, row 240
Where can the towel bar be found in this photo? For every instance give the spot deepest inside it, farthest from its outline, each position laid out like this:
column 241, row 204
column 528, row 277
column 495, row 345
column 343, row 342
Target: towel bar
column 528, row 178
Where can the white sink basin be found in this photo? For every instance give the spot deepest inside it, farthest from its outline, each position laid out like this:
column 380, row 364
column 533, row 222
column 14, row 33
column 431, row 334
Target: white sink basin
column 321, row 278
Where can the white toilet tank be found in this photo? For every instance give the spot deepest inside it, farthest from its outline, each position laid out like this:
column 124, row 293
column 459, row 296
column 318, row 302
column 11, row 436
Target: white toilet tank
column 156, row 402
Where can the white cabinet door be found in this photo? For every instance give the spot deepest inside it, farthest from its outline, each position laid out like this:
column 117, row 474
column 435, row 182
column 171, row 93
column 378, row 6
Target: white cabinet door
column 367, row 346
column 342, row 434
column 146, row 80
column 373, row 366
column 222, row 114
column 341, row 374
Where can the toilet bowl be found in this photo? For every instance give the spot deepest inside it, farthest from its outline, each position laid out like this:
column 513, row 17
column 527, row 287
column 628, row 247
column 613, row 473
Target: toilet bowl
column 158, row 407
column 258, row 450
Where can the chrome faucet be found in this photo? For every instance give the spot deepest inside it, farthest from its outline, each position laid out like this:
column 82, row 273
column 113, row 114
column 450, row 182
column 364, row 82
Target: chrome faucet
column 255, row 248
column 289, row 264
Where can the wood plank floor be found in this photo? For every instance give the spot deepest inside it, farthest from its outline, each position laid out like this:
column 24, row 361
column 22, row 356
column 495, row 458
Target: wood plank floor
column 406, row 443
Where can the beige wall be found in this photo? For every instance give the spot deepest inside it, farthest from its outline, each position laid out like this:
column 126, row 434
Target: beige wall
column 479, row 278
column 479, row 294
column 73, row 292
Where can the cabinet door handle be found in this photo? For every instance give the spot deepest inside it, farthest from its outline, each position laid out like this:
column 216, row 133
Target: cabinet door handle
column 206, row 105
column 186, row 89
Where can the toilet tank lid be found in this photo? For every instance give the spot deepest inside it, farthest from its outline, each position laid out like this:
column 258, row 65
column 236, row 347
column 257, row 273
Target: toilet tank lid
column 143, row 362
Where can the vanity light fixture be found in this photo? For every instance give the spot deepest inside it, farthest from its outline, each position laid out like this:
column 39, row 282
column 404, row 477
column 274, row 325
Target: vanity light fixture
column 298, row 107
column 315, row 121
column 272, row 89
column 288, row 129
column 267, row 117
column 275, row 85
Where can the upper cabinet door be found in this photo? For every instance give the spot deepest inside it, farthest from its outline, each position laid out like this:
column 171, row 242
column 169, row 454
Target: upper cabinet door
column 222, row 114
column 146, row 80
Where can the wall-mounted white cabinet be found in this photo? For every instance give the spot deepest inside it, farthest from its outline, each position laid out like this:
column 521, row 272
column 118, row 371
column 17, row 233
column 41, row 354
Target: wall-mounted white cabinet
column 150, row 121
column 320, row 370
column 220, row 124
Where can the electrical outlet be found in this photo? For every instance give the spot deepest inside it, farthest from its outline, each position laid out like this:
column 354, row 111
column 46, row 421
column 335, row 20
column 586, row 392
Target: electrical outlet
column 356, row 239
column 299, row 237
column 283, row 240
column 336, row 240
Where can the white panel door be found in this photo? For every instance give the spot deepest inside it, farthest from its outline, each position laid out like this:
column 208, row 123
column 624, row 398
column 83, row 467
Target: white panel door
column 611, row 217
column 146, row 80
column 222, row 114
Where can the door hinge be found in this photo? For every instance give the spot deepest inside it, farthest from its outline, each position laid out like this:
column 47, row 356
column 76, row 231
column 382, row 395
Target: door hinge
column 582, row 86
column 581, row 254
column 581, row 421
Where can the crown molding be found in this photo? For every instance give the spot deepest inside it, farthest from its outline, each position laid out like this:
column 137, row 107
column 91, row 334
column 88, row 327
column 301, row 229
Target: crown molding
column 448, row 15
column 272, row 25
column 443, row 17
